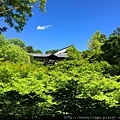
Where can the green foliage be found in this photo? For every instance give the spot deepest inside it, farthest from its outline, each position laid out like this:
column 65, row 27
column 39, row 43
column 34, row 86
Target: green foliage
column 94, row 46
column 2, row 40
column 30, row 49
column 16, row 13
column 5, row 74
column 51, row 51
column 11, row 52
column 70, row 87
column 116, row 32
column 76, row 86
column 96, row 41
column 37, row 51
column 17, row 42
column 111, row 50
column 14, row 53
column 113, row 70
column 73, row 53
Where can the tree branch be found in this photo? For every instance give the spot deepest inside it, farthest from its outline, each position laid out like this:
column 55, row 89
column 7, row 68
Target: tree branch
column 9, row 9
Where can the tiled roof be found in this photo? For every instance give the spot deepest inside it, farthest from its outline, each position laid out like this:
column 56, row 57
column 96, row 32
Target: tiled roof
column 39, row 55
column 63, row 50
column 61, row 53
column 46, row 55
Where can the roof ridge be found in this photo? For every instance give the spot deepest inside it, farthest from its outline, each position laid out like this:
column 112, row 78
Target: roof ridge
column 66, row 47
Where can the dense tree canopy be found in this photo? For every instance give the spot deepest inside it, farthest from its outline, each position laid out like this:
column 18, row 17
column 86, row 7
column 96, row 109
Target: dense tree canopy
column 71, row 87
column 116, row 32
column 17, row 42
column 86, row 84
column 94, row 47
column 73, row 53
column 111, row 50
column 17, row 12
column 12, row 52
column 37, row 51
column 2, row 40
column 30, row 49
column 51, row 51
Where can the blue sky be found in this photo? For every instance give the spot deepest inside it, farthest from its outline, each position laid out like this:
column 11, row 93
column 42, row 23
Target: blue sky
column 68, row 22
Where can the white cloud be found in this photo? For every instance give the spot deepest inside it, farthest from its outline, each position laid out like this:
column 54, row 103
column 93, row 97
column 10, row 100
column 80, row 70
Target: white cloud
column 43, row 27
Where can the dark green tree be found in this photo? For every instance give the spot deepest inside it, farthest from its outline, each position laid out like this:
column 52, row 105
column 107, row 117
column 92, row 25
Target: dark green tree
column 51, row 51
column 111, row 50
column 116, row 32
column 3, row 29
column 37, row 51
column 29, row 49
